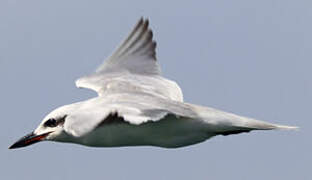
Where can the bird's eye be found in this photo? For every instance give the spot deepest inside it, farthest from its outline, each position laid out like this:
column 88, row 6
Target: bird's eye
column 50, row 123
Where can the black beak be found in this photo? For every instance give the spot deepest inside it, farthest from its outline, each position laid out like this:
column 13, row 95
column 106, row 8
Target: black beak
column 28, row 140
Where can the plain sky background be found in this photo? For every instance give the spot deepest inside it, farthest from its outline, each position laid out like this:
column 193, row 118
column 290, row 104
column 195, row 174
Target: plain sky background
column 252, row 58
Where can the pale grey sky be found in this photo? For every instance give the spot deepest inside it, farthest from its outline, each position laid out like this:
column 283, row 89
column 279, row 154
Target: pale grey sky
column 252, row 58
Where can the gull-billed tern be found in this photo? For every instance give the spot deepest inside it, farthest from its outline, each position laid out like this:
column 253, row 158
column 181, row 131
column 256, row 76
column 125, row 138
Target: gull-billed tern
column 136, row 106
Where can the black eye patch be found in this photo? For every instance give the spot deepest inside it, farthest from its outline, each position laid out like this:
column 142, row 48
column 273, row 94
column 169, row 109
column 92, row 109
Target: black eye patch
column 50, row 123
column 53, row 122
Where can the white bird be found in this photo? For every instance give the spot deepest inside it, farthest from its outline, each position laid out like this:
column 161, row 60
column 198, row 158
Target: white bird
column 137, row 106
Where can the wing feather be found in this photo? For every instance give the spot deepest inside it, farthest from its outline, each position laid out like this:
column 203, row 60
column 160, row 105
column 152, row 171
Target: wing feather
column 137, row 53
column 132, row 67
column 83, row 122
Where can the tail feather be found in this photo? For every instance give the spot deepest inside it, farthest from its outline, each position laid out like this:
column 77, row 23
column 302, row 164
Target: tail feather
column 261, row 125
column 253, row 125
column 227, row 123
column 282, row 127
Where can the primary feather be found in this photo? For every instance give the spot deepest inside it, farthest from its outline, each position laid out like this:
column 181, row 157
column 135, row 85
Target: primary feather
column 132, row 68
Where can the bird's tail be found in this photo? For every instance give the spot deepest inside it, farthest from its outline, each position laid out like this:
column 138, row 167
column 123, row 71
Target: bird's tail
column 260, row 125
column 282, row 127
column 227, row 123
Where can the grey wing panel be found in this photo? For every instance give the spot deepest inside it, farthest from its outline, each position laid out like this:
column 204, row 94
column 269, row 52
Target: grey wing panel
column 137, row 53
column 132, row 66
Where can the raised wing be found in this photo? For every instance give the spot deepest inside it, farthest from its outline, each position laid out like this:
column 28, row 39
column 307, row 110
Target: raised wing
column 136, row 54
column 132, row 68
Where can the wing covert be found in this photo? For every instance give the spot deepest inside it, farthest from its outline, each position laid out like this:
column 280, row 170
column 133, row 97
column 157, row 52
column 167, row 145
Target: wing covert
column 135, row 109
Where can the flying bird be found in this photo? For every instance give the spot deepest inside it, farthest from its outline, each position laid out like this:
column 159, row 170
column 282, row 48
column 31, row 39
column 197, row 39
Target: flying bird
column 136, row 106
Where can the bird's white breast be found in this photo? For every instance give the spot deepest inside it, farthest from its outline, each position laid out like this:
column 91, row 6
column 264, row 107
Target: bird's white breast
column 171, row 132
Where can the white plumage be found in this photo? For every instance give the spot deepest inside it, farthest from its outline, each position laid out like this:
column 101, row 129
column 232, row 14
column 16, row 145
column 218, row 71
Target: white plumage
column 137, row 106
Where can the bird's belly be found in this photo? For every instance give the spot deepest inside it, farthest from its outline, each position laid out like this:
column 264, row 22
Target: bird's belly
column 169, row 133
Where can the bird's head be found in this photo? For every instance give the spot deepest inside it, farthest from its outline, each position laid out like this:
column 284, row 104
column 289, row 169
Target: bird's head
column 51, row 128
